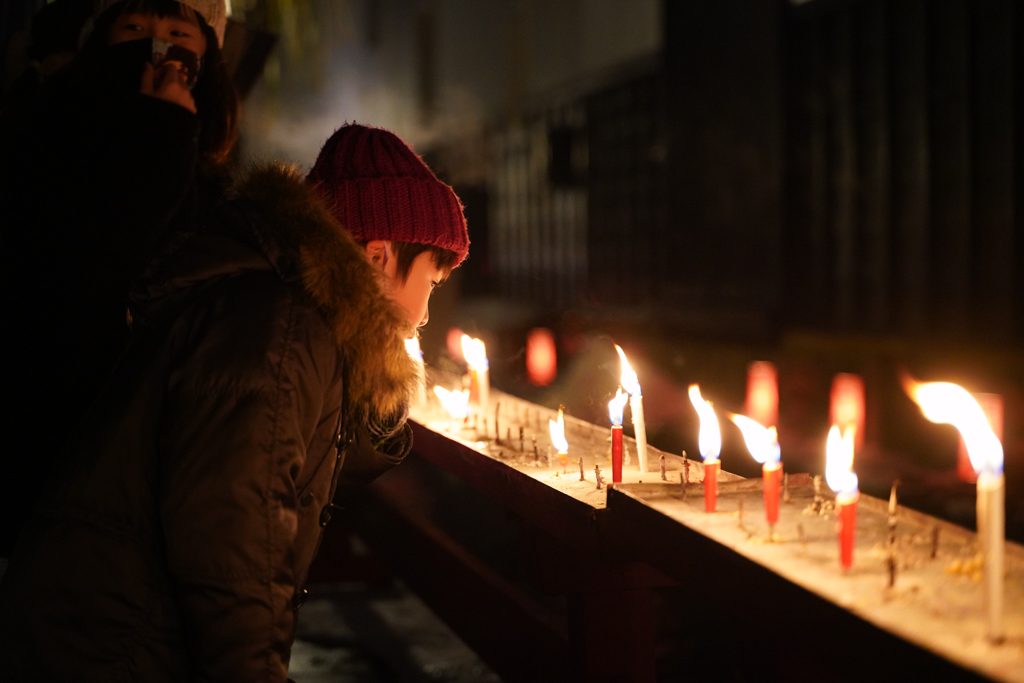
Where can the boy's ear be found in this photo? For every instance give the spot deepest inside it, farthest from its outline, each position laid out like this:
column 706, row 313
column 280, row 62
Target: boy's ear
column 378, row 251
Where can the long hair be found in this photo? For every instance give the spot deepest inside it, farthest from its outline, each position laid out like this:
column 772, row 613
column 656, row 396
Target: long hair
column 214, row 93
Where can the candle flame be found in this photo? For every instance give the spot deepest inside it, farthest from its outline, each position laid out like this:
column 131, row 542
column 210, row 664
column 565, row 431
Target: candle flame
column 947, row 403
column 839, row 460
column 710, row 439
column 628, row 380
column 455, row 402
column 557, row 430
column 412, row 346
column 616, row 405
column 762, row 443
column 474, row 352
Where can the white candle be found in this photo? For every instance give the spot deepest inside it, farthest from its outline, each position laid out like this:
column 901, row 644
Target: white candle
column 631, row 384
column 636, row 406
column 948, row 403
column 991, row 529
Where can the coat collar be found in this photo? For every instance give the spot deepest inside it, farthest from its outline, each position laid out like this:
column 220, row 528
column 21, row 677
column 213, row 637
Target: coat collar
column 285, row 225
column 369, row 328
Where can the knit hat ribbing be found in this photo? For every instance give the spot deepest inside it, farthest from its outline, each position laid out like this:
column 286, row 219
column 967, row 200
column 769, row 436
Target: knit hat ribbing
column 213, row 12
column 379, row 188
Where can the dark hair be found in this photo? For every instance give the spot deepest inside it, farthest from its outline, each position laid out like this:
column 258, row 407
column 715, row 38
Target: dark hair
column 406, row 253
column 214, row 93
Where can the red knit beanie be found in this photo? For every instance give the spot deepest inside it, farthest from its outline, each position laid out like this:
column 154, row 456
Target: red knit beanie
column 380, row 190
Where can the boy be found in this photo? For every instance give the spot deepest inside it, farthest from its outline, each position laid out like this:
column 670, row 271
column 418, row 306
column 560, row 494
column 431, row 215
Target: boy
column 267, row 363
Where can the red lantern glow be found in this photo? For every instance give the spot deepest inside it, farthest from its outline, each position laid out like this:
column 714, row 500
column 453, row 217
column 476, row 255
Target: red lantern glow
column 762, row 403
column 847, row 405
column 541, row 357
column 453, row 340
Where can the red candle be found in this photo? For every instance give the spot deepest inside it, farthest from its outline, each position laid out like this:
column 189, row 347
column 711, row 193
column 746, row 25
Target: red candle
column 846, row 526
column 615, row 407
column 763, row 444
column 772, row 473
column 710, row 442
column 841, row 479
column 617, row 454
column 711, row 468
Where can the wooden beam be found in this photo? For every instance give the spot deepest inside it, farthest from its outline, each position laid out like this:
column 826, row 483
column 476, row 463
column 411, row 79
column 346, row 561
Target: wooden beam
column 494, row 616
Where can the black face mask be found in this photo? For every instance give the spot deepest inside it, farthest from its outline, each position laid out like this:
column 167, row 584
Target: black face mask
column 118, row 67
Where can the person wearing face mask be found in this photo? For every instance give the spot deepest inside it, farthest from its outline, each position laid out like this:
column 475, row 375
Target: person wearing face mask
column 127, row 146
column 267, row 372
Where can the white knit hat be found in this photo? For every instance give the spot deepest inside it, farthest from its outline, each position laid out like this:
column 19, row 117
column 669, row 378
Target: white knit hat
column 213, row 12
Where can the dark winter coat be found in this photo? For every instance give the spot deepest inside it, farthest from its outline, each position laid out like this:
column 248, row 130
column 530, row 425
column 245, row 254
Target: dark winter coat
column 190, row 508
column 93, row 175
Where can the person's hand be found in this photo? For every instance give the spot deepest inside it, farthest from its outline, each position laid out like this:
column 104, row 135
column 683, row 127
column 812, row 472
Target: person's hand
column 167, row 83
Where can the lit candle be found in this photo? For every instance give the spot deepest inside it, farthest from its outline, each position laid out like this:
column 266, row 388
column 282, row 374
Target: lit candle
column 992, row 406
column 557, row 430
column 709, row 441
column 636, row 406
column 475, row 353
column 763, row 445
column 841, row 479
column 615, row 407
column 455, row 402
column 947, row 403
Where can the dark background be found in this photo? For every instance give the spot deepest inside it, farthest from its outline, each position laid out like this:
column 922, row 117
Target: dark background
column 831, row 185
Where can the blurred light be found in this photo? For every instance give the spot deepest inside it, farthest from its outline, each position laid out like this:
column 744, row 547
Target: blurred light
column 616, row 406
column 762, row 403
column 846, row 407
column 948, row 403
column 412, row 346
column 474, row 351
column 762, row 443
column 839, row 460
column 453, row 341
column 557, row 431
column 541, row 357
column 455, row 402
column 709, row 439
column 992, row 406
column 628, row 380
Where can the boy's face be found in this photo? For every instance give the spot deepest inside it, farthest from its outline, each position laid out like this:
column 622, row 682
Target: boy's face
column 174, row 30
column 414, row 293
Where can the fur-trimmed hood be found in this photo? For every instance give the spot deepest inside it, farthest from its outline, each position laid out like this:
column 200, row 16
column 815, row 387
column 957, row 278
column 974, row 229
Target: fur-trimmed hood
column 278, row 221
